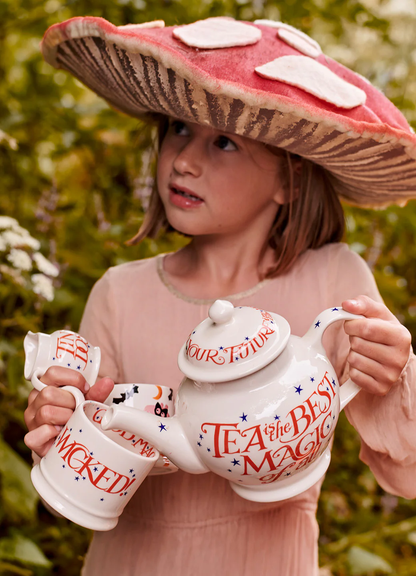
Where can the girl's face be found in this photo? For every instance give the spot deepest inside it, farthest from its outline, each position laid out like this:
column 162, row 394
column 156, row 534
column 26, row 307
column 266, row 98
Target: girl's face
column 211, row 182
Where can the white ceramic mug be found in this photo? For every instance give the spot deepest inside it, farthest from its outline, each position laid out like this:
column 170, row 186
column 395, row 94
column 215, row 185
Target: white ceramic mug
column 151, row 398
column 62, row 348
column 89, row 474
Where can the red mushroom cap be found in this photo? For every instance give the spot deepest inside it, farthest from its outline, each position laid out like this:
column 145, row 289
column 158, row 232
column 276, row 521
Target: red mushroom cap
column 369, row 148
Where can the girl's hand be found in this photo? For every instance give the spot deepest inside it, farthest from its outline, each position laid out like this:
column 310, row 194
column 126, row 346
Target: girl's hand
column 380, row 345
column 51, row 408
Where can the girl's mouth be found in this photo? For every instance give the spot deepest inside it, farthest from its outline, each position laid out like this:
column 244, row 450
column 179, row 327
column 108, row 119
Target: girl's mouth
column 184, row 199
column 188, row 195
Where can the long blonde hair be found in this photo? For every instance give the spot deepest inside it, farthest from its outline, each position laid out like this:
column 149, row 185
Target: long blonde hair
column 311, row 217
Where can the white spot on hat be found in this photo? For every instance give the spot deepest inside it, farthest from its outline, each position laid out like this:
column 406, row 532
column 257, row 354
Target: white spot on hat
column 217, row 33
column 294, row 37
column 315, row 78
column 153, row 24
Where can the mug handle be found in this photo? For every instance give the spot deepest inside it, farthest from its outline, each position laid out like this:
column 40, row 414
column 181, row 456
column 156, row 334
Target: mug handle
column 76, row 392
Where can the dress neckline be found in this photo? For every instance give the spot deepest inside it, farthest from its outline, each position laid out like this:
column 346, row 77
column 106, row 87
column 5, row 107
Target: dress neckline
column 162, row 275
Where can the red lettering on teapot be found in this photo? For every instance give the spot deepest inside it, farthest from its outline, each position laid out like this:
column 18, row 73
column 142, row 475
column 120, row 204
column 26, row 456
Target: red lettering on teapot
column 283, row 446
column 231, row 354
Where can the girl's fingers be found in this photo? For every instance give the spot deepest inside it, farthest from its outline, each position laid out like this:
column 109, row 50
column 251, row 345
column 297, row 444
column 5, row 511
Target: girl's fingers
column 391, row 359
column 41, row 439
column 368, row 383
column 380, row 331
column 371, row 375
column 101, row 390
column 53, row 415
column 59, row 376
column 369, row 308
column 42, row 408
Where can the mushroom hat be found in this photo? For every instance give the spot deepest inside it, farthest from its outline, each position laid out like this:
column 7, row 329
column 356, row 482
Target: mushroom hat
column 264, row 80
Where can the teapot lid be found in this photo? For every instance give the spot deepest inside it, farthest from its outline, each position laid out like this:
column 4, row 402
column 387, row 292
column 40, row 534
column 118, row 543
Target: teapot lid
column 232, row 342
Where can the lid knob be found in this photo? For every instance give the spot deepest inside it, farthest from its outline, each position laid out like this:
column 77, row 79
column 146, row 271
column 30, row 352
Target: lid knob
column 221, row 311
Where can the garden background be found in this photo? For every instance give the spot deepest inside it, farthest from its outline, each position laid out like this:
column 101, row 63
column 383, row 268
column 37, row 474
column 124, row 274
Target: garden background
column 77, row 176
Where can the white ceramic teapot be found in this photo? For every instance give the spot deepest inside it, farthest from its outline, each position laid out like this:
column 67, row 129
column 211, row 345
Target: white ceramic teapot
column 257, row 407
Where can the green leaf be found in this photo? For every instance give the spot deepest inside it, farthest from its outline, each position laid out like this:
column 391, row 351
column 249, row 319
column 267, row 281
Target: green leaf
column 7, row 568
column 362, row 561
column 21, row 549
column 18, row 494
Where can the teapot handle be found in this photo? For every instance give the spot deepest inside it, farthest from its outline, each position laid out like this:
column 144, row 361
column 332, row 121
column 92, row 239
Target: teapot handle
column 313, row 337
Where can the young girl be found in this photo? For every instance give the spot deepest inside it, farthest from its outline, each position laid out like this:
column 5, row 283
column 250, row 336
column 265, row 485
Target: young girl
column 265, row 227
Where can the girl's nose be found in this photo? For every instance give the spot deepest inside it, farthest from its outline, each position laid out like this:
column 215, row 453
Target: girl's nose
column 189, row 160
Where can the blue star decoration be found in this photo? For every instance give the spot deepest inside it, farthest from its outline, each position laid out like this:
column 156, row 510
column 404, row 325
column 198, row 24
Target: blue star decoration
column 243, row 417
column 312, row 379
column 333, row 382
column 334, row 309
column 229, row 470
column 298, row 389
column 199, row 443
column 209, row 449
column 162, row 427
column 78, row 367
column 235, row 462
column 201, row 437
column 276, row 417
column 317, row 324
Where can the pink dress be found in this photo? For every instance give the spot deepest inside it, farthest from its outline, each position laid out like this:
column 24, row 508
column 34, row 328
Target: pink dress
column 183, row 524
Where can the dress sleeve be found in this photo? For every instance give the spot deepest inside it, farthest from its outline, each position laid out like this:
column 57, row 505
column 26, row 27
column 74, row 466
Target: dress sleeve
column 386, row 424
column 99, row 325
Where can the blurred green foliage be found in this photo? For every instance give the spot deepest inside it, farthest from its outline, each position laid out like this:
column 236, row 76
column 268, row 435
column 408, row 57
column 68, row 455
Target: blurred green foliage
column 77, row 175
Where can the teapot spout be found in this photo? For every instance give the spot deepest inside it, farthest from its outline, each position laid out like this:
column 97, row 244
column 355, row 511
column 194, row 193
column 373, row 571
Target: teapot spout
column 165, row 434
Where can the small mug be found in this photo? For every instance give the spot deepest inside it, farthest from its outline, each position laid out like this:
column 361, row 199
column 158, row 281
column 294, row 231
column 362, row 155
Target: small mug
column 89, row 475
column 150, row 398
column 61, row 348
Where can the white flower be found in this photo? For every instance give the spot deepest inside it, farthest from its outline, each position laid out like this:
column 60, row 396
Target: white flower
column 7, row 222
column 14, row 239
column 20, row 259
column 42, row 285
column 44, row 265
column 3, row 244
column 31, row 242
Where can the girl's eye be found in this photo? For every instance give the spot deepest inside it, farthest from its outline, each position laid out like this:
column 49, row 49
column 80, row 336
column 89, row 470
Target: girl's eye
column 179, row 128
column 225, row 143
